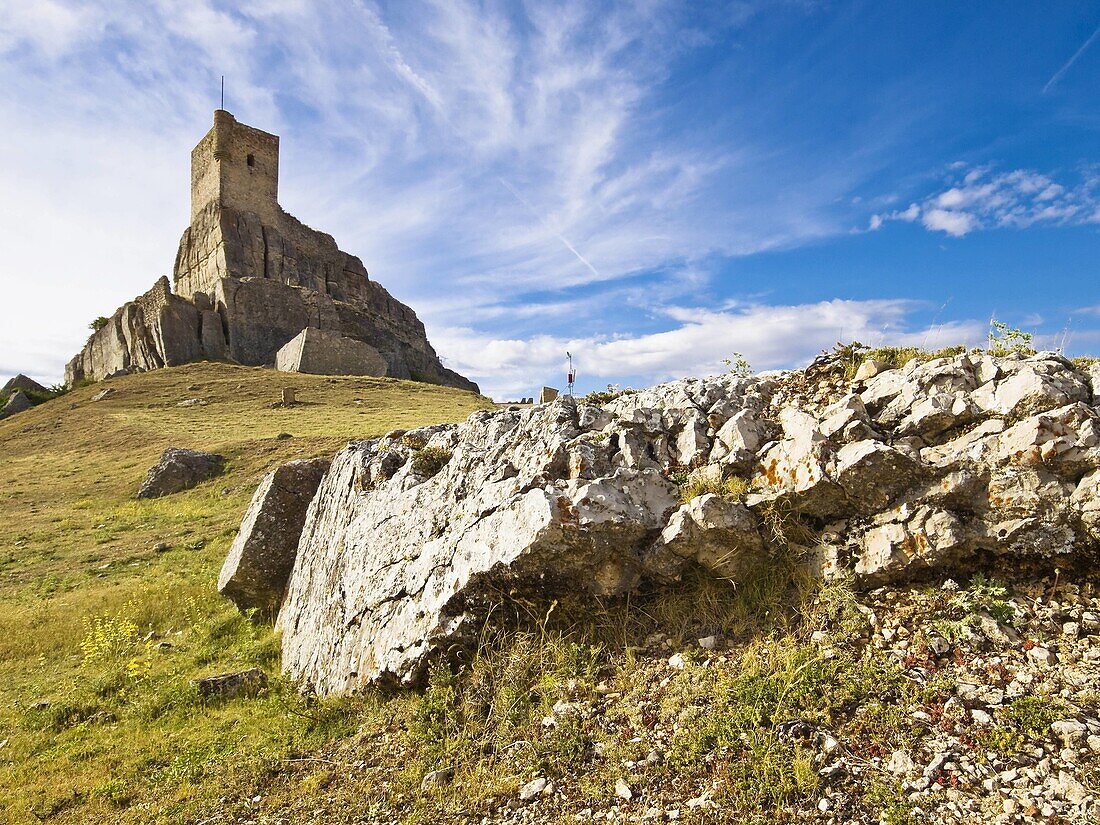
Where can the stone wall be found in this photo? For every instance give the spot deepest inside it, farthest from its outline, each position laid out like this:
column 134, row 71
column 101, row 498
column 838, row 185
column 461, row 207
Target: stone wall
column 221, row 171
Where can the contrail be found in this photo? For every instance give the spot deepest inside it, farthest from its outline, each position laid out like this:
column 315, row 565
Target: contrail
column 557, row 235
column 1058, row 74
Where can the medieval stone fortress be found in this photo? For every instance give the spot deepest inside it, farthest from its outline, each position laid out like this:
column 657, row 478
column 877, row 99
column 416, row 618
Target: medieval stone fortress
column 255, row 286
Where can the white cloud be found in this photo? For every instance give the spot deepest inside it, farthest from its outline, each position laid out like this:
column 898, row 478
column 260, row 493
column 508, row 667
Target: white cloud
column 946, row 220
column 770, row 336
column 50, row 27
column 398, row 124
column 1017, row 199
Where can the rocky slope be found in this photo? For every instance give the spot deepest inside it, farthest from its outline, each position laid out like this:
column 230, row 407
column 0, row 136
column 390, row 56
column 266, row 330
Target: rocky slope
column 948, row 702
column 943, row 466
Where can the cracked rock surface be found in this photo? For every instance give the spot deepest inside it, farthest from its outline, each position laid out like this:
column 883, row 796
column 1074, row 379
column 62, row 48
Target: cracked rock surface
column 951, row 463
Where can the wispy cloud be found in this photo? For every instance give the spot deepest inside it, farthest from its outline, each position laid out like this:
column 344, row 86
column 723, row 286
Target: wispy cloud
column 983, row 199
column 1066, row 66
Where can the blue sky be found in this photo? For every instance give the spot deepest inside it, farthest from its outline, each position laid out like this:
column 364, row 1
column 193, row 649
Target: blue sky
column 652, row 186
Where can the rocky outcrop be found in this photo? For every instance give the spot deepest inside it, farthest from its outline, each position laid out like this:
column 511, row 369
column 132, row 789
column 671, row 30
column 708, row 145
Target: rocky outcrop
column 24, row 383
column 943, row 465
column 324, row 353
column 18, row 402
column 178, row 470
column 262, row 555
column 157, row 329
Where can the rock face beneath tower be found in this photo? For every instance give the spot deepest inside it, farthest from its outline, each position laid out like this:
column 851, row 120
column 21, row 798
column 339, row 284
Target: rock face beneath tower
column 249, row 278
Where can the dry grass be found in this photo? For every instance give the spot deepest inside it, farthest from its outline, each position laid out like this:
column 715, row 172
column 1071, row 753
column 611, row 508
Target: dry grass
column 122, row 737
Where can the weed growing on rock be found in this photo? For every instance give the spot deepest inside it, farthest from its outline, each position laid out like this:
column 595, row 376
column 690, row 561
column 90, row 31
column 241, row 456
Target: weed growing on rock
column 851, row 356
column 428, row 461
column 738, row 365
column 1005, row 340
column 699, row 484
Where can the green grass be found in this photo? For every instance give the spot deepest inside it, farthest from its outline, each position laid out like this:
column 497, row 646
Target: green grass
column 100, row 635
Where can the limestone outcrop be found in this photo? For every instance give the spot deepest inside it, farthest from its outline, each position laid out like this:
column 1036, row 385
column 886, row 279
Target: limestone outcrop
column 17, row 402
column 324, row 353
column 945, row 465
column 249, row 278
column 262, row 555
column 23, row 383
column 178, row 470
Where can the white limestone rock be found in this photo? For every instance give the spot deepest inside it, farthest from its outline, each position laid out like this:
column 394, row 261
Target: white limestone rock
column 938, row 467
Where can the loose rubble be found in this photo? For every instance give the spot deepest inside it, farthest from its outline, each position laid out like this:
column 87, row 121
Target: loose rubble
column 949, row 718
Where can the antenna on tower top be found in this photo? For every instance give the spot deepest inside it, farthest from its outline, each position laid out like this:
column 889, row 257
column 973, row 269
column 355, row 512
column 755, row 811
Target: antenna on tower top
column 223, row 92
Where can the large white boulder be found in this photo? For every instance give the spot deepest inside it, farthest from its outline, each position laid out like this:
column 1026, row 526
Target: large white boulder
column 416, row 539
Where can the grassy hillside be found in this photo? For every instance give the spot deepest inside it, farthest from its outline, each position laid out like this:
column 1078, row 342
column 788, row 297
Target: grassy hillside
column 101, row 632
column 778, row 699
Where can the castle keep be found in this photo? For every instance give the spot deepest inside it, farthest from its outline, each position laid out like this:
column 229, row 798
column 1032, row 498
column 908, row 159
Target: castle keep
column 249, row 278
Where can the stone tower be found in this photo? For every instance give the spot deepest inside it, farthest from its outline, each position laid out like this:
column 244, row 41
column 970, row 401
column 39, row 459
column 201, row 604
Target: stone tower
column 249, row 278
column 236, row 167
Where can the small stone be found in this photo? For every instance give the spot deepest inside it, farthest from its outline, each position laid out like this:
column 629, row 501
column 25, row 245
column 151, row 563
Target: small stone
column 1070, row 731
column 981, row 718
column 676, row 661
column 1042, row 656
column 869, row 369
column 436, row 779
column 161, row 547
column 622, row 790
column 899, row 763
column 231, row 685
column 708, row 642
column 938, row 645
column 288, row 396
column 533, row 789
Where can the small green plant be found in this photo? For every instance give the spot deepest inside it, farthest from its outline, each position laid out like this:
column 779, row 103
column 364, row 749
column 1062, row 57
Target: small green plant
column 738, row 365
column 99, row 323
column 1005, row 340
column 430, row 460
column 891, row 803
column 985, row 594
column 612, row 392
column 1023, row 721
